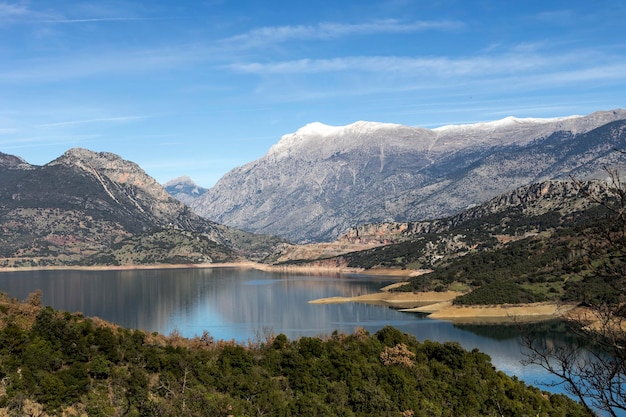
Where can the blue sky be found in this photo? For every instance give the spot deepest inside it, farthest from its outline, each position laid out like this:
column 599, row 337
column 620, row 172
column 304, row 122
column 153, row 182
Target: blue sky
column 199, row 87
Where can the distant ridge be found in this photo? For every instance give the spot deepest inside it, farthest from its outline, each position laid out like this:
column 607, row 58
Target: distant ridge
column 184, row 189
column 318, row 182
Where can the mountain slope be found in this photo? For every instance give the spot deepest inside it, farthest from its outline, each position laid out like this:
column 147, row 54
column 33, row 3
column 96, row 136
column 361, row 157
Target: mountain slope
column 316, row 183
column 512, row 213
column 79, row 207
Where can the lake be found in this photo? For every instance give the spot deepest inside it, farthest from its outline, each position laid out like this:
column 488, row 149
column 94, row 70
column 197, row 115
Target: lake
column 242, row 304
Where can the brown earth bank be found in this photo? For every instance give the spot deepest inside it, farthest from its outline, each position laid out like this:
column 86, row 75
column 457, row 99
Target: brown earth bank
column 317, row 268
column 495, row 313
column 131, row 267
column 401, row 300
column 438, row 305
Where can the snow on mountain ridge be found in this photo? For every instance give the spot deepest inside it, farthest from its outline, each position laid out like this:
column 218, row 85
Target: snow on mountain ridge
column 325, row 140
column 321, row 129
column 185, row 179
column 317, row 136
column 507, row 121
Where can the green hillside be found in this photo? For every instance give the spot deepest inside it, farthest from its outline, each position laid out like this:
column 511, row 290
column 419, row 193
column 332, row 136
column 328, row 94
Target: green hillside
column 54, row 363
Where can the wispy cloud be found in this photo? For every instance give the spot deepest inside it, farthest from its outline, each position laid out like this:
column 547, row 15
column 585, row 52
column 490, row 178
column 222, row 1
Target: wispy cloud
column 559, row 17
column 38, row 141
column 524, row 62
column 118, row 119
column 436, row 66
column 521, row 69
column 7, row 130
column 21, row 13
column 90, row 64
column 104, row 19
column 12, row 10
column 277, row 34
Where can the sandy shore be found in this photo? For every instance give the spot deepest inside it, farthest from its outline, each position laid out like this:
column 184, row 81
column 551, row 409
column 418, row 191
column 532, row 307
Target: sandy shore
column 438, row 305
column 494, row 313
column 402, row 300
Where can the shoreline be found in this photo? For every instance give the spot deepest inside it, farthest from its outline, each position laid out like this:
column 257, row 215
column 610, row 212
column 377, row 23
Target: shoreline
column 439, row 306
column 129, row 267
column 499, row 313
column 400, row 300
column 242, row 264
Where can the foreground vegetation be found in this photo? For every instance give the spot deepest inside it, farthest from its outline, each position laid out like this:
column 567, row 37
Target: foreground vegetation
column 54, row 363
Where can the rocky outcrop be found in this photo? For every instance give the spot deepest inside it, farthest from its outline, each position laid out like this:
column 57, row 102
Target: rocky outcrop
column 559, row 196
column 13, row 162
column 315, row 184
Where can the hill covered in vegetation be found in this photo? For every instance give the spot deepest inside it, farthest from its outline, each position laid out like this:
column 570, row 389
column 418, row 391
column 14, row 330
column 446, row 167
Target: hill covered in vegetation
column 54, row 363
column 553, row 241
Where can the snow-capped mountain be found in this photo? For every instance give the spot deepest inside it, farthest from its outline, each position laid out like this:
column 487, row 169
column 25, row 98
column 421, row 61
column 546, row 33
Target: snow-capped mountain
column 317, row 182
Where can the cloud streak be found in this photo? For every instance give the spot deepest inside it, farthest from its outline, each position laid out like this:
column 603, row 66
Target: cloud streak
column 515, row 71
column 118, row 119
column 20, row 13
column 105, row 19
column 439, row 66
column 89, row 64
column 595, row 65
column 329, row 30
column 9, row 10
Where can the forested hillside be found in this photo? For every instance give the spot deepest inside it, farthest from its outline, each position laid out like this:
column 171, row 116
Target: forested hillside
column 54, row 363
column 563, row 245
column 568, row 264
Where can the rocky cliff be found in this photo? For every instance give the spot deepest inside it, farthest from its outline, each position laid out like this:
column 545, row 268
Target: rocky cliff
column 315, row 184
column 559, row 197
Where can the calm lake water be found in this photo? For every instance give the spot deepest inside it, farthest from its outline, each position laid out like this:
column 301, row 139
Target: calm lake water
column 241, row 304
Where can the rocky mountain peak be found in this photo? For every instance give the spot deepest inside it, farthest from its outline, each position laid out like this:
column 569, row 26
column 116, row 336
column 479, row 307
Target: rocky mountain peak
column 123, row 181
column 181, row 181
column 104, row 161
column 184, row 189
column 13, row 162
column 112, row 166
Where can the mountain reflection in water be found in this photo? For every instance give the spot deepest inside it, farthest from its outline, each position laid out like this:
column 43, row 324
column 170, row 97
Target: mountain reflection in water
column 243, row 304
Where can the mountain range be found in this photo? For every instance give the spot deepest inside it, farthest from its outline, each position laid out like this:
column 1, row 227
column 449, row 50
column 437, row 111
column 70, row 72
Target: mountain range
column 96, row 208
column 372, row 184
column 320, row 181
